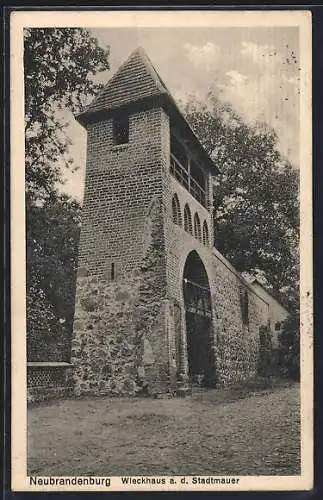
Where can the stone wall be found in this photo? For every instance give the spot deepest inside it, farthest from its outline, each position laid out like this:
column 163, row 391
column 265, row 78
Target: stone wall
column 277, row 313
column 237, row 345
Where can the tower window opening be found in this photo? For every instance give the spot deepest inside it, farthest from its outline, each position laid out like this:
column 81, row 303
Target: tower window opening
column 245, row 307
column 187, row 220
column 197, row 227
column 121, row 129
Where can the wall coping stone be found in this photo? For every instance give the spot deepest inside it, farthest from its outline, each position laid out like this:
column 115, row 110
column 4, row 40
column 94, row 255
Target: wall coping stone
column 229, row 266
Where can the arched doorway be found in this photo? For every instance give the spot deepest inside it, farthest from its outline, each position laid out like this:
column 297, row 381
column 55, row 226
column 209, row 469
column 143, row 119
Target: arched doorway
column 198, row 315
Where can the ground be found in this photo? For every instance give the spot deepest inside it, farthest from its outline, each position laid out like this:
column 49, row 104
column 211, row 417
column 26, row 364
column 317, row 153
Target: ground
column 212, row 432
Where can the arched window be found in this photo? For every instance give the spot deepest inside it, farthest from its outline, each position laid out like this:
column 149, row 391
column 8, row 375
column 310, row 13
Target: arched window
column 187, row 219
column 206, row 240
column 176, row 211
column 197, row 227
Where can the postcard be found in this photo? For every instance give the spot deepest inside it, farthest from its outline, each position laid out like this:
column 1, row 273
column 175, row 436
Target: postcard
column 161, row 184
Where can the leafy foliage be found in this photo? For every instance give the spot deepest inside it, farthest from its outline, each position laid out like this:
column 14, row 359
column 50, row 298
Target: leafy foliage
column 59, row 65
column 255, row 198
column 52, row 245
column 47, row 340
column 289, row 346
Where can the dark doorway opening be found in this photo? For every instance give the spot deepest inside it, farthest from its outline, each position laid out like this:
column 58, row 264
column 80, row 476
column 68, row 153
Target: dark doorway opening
column 198, row 315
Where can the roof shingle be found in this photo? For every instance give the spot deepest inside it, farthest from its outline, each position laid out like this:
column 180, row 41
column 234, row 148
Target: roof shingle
column 136, row 79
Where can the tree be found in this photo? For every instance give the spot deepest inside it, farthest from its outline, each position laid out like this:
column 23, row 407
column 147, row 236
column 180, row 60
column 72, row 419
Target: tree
column 52, row 247
column 60, row 65
column 255, row 197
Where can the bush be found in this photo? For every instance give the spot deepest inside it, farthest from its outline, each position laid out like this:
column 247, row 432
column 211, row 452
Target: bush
column 52, row 243
column 266, row 366
column 289, row 347
column 47, row 339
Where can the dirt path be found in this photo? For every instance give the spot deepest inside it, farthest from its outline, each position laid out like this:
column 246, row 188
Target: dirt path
column 258, row 435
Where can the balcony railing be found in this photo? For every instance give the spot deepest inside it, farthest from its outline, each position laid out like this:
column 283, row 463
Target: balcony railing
column 197, row 191
column 182, row 175
column 179, row 172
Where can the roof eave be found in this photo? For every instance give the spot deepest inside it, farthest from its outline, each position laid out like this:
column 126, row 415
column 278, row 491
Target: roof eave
column 173, row 109
column 89, row 116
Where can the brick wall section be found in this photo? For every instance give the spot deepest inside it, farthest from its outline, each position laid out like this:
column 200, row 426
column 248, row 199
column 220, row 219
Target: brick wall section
column 120, row 183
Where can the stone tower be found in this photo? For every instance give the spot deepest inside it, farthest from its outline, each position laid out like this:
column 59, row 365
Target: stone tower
column 157, row 306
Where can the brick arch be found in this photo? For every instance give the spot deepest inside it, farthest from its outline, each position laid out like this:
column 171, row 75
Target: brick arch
column 188, row 219
column 176, row 210
column 195, row 269
column 198, row 320
column 195, row 247
column 206, row 238
column 197, row 227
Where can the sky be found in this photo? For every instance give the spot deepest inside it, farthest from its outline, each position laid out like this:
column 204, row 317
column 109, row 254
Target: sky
column 255, row 69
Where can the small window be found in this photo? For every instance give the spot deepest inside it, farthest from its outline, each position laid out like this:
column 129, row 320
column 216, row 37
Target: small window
column 244, row 306
column 176, row 211
column 187, row 219
column 197, row 227
column 121, row 129
column 206, row 240
column 112, row 271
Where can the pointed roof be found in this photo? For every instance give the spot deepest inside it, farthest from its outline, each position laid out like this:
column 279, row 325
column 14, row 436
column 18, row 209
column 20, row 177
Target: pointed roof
column 136, row 79
column 137, row 82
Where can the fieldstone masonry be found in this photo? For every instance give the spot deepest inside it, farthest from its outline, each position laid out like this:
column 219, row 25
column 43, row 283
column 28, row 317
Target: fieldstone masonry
column 130, row 327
